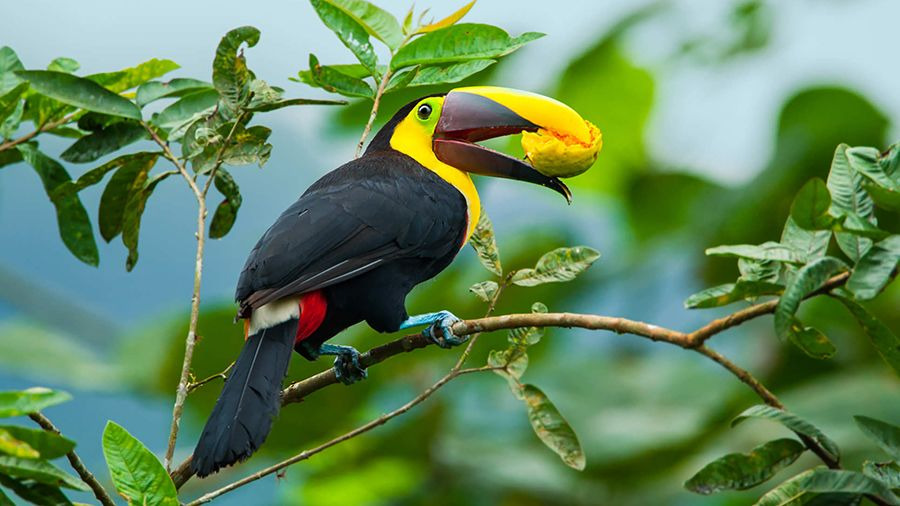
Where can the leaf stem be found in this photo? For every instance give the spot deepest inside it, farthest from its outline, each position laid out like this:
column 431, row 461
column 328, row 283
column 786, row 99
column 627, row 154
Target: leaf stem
column 75, row 461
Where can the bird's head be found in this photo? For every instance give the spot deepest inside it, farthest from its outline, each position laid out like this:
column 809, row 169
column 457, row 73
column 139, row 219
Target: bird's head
column 443, row 130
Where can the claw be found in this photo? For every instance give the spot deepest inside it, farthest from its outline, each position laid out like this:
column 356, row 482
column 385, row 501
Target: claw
column 445, row 338
column 347, row 368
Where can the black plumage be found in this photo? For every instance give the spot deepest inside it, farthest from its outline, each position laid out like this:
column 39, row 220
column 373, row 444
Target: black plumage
column 364, row 234
column 249, row 400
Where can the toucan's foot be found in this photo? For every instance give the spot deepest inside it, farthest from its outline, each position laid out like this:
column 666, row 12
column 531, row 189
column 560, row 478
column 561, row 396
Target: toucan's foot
column 441, row 331
column 347, row 368
column 439, row 328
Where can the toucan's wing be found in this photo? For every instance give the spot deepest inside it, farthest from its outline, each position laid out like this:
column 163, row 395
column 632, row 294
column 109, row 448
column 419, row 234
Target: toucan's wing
column 368, row 212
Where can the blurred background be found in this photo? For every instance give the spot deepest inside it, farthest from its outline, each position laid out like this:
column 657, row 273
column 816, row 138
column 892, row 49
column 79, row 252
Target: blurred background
column 714, row 113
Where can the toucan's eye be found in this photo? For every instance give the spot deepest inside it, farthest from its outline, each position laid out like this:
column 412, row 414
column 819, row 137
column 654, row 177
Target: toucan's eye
column 424, row 111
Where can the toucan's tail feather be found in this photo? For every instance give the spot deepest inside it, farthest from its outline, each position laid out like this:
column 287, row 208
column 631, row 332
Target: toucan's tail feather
column 249, row 401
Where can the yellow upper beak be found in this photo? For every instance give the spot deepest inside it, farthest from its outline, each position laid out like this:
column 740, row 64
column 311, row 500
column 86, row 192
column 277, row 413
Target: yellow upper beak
column 545, row 112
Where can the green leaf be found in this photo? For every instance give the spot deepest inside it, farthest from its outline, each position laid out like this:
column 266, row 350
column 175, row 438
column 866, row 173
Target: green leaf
column 808, row 279
column 528, row 336
column 128, row 179
column 9, row 64
column 331, row 80
column 137, row 474
column 883, row 338
column 885, row 434
column 34, row 492
column 11, row 100
column 559, row 265
column 10, row 125
column 89, row 178
column 351, row 33
column 248, row 146
column 66, row 132
column 807, row 244
column 15, row 447
column 40, row 471
column 450, row 73
column 155, row 90
column 449, row 20
column 825, row 481
column 48, row 444
column 514, row 363
column 792, row 422
column 552, row 428
column 5, row 500
column 226, row 212
column 759, row 270
column 401, row 79
column 731, row 292
column 740, row 471
column 63, row 64
column 231, row 77
column 849, row 196
column 126, row 79
column 79, row 92
column 810, row 207
column 485, row 290
column 875, row 268
column 791, row 493
column 134, row 210
column 887, row 198
column 97, row 144
column 886, row 472
column 9, row 157
column 459, row 43
column 870, row 164
column 30, row 401
column 71, row 216
column 811, row 341
column 765, row 251
column 186, row 109
column 349, row 69
column 485, row 244
column 376, row 21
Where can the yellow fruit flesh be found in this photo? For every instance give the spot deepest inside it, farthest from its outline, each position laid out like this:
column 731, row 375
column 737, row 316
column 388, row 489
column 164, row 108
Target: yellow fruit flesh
column 557, row 154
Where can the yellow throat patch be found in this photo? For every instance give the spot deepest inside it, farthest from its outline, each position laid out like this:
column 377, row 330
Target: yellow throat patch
column 411, row 139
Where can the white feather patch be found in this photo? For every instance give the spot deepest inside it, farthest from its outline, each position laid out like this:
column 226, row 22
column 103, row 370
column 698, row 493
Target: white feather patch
column 273, row 313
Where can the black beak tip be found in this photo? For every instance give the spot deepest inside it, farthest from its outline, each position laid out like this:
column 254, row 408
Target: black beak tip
column 557, row 185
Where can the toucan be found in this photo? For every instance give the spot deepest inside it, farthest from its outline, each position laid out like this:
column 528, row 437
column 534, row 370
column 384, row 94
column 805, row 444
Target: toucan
column 359, row 239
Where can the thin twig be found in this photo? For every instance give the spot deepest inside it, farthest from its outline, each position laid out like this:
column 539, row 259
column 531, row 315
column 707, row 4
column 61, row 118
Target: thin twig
column 223, row 374
column 191, row 340
column 76, row 463
column 27, row 137
column 699, row 336
column 375, row 103
column 175, row 161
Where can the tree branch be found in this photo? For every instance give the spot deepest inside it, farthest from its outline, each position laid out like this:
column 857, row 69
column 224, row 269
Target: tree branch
column 695, row 340
column 375, row 103
column 27, row 137
column 79, row 467
column 191, row 340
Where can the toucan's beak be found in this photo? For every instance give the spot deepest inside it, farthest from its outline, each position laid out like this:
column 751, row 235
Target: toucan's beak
column 477, row 113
